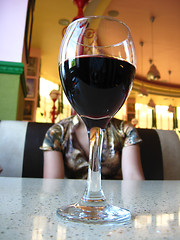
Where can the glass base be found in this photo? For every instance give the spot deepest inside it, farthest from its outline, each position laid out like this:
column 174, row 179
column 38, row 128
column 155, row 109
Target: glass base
column 92, row 214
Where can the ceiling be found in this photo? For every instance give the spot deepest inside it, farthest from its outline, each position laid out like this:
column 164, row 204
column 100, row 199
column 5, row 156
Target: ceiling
column 47, row 32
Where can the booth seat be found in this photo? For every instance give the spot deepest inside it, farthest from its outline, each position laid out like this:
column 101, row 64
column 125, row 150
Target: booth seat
column 20, row 155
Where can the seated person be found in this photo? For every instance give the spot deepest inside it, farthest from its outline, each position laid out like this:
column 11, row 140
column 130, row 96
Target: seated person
column 66, row 151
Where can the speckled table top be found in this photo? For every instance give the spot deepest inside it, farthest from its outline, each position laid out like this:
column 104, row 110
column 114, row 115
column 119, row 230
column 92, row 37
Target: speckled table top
column 28, row 209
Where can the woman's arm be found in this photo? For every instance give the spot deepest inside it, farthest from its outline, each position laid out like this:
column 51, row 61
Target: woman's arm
column 53, row 165
column 131, row 163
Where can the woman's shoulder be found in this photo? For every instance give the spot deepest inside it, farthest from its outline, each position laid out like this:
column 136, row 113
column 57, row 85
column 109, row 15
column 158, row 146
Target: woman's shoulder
column 72, row 120
column 63, row 124
column 117, row 125
column 126, row 131
column 57, row 133
column 121, row 125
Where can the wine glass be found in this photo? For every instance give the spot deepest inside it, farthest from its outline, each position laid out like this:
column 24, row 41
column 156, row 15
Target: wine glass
column 97, row 66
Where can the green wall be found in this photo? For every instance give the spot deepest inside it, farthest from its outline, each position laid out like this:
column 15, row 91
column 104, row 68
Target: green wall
column 12, row 91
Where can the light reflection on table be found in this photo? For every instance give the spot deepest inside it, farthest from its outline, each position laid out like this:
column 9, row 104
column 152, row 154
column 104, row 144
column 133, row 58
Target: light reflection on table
column 28, row 209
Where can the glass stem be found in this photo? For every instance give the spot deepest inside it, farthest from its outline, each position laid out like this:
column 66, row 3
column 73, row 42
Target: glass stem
column 93, row 192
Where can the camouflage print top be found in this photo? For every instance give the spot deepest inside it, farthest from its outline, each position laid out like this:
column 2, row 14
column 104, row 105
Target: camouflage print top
column 61, row 137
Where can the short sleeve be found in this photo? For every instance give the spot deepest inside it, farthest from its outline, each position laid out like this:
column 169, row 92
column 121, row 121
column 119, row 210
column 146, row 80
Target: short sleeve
column 53, row 138
column 131, row 135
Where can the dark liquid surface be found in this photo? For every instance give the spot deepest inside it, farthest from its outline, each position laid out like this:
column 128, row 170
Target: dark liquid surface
column 96, row 86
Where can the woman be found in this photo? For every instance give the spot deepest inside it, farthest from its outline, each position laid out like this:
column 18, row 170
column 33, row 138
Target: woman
column 66, row 151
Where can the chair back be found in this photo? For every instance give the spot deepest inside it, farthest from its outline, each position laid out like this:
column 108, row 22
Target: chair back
column 20, row 155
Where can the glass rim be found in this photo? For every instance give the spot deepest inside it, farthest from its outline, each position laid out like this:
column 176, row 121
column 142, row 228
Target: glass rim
column 108, row 18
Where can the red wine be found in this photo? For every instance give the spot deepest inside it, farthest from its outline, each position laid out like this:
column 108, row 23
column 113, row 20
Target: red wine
column 96, row 86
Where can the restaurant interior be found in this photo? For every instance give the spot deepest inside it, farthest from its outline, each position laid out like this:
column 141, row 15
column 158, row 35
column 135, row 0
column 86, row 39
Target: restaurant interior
column 154, row 101
column 31, row 32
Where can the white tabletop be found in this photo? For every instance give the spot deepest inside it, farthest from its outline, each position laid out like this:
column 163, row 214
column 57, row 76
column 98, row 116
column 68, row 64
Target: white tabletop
column 28, row 210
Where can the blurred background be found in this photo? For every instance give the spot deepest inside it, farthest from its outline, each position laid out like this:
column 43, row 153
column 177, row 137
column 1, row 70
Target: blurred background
column 155, row 26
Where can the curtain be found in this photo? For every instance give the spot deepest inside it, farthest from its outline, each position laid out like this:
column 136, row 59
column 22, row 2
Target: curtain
column 175, row 122
column 60, row 100
column 154, row 123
